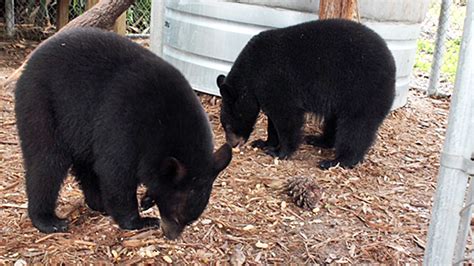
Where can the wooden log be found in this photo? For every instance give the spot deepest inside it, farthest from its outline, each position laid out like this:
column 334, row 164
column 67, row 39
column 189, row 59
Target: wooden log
column 346, row 9
column 120, row 25
column 102, row 15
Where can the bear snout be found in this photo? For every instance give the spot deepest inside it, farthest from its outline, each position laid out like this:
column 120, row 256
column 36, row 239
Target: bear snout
column 171, row 229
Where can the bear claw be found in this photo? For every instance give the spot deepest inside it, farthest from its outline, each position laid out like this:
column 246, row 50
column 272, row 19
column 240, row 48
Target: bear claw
column 51, row 225
column 277, row 153
column 259, row 143
column 146, row 203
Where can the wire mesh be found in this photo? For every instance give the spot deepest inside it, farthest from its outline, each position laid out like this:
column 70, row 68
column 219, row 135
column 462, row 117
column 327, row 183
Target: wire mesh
column 442, row 61
column 139, row 17
column 443, row 24
column 36, row 19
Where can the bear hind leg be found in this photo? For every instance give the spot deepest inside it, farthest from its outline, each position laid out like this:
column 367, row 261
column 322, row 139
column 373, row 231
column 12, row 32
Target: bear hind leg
column 327, row 139
column 44, row 177
column 353, row 138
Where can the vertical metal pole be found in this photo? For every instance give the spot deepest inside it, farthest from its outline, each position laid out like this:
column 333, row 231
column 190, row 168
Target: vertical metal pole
column 452, row 182
column 10, row 17
column 466, row 215
column 157, row 24
column 443, row 24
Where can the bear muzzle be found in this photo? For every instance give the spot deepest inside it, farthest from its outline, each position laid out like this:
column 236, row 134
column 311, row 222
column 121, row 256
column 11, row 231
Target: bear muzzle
column 171, row 229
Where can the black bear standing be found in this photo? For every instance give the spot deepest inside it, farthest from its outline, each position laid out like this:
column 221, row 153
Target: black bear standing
column 337, row 69
column 117, row 115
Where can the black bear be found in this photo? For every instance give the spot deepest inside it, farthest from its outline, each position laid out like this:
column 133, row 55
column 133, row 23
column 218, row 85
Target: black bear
column 117, row 116
column 337, row 69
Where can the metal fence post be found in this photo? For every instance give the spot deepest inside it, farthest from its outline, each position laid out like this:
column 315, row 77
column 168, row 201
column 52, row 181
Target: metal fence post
column 157, row 24
column 440, row 47
column 466, row 214
column 452, row 180
column 10, row 17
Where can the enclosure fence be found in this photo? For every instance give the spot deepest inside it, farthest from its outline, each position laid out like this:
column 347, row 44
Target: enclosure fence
column 440, row 46
column 38, row 18
column 450, row 225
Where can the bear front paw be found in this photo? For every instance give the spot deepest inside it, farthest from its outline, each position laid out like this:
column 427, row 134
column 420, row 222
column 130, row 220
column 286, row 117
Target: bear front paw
column 318, row 141
column 50, row 224
column 326, row 164
column 140, row 223
column 278, row 153
column 259, row 143
column 151, row 222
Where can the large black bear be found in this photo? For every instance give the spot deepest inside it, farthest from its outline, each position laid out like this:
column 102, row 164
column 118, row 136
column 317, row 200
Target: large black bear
column 337, row 69
column 117, row 115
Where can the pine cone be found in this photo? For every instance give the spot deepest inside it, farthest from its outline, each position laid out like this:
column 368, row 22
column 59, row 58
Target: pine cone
column 304, row 192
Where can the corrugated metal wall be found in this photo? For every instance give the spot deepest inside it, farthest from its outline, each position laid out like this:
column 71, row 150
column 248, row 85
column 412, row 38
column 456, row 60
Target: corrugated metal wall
column 203, row 38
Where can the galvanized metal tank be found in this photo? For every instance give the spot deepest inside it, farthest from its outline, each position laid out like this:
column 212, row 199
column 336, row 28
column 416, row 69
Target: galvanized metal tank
column 203, row 38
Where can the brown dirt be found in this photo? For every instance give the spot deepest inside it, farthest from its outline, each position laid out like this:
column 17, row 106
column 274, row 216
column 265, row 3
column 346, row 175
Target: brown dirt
column 376, row 212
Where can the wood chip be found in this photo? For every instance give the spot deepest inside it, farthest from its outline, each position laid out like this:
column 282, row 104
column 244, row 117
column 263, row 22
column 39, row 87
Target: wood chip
column 376, row 213
column 248, row 227
column 132, row 243
column 261, row 245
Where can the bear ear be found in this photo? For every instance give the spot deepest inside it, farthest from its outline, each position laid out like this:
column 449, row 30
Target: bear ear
column 224, row 89
column 220, row 81
column 222, row 157
column 174, row 169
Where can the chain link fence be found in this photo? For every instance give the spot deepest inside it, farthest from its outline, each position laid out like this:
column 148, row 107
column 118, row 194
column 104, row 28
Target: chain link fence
column 36, row 19
column 438, row 47
column 139, row 17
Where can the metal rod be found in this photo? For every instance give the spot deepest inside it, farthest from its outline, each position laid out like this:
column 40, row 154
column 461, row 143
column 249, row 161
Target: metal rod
column 157, row 24
column 10, row 17
column 465, row 225
column 138, row 36
column 443, row 25
column 452, row 183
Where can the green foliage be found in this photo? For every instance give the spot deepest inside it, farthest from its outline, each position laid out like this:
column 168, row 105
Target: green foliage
column 426, row 47
column 139, row 17
column 424, row 57
column 76, row 7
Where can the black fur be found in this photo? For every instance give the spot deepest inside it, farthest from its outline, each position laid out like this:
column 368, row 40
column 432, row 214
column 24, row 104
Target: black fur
column 337, row 69
column 117, row 115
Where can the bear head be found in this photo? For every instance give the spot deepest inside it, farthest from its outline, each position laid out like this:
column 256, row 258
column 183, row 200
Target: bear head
column 182, row 192
column 239, row 111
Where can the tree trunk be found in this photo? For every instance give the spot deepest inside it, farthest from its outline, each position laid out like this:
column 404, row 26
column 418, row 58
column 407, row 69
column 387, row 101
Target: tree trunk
column 101, row 15
column 346, row 9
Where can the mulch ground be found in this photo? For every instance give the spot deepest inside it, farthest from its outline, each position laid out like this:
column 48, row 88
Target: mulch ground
column 376, row 212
